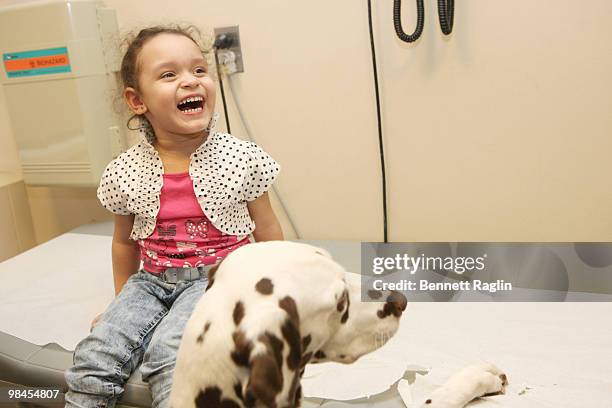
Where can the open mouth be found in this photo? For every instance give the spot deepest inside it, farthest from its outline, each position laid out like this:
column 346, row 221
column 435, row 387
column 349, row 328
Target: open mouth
column 194, row 104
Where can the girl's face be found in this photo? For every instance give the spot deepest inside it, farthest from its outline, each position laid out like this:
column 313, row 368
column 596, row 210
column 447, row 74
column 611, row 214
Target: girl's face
column 177, row 95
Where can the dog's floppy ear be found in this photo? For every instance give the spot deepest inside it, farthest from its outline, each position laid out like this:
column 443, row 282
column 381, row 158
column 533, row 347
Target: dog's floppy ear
column 266, row 373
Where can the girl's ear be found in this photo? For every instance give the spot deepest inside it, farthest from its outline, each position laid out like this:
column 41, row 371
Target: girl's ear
column 134, row 102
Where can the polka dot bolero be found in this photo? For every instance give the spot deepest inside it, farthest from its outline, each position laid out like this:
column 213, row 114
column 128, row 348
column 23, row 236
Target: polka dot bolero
column 226, row 173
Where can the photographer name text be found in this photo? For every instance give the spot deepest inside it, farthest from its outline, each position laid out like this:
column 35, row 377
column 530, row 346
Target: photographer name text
column 425, row 285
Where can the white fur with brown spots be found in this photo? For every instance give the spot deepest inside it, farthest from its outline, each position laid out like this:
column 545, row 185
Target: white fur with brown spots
column 272, row 308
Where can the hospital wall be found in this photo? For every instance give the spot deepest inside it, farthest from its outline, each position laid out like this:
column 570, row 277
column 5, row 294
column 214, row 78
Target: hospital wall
column 499, row 132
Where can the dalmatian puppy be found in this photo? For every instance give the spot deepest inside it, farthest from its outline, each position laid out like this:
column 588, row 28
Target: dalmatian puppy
column 474, row 381
column 270, row 309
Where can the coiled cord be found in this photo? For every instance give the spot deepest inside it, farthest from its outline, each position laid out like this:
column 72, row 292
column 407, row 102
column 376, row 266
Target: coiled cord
column 397, row 21
column 446, row 11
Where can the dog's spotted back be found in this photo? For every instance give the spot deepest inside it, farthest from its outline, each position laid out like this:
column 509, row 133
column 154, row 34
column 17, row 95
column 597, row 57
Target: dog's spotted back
column 270, row 309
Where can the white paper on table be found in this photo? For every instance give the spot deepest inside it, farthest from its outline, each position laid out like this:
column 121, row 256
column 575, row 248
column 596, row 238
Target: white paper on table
column 369, row 375
column 403, row 388
column 51, row 293
column 553, row 353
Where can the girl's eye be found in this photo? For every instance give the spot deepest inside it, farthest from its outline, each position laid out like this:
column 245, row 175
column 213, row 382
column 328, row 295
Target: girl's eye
column 200, row 70
column 167, row 75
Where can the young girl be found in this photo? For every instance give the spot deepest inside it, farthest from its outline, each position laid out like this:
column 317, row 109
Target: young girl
column 183, row 198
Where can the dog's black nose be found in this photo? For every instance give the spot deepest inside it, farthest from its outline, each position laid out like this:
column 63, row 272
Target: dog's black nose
column 395, row 304
column 398, row 302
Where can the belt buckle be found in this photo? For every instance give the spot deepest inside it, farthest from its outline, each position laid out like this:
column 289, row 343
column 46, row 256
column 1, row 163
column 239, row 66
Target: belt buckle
column 174, row 275
column 170, row 275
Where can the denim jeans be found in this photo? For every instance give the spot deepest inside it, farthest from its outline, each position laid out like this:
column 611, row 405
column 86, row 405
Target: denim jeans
column 144, row 323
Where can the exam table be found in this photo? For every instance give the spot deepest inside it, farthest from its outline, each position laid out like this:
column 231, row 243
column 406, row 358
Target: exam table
column 555, row 354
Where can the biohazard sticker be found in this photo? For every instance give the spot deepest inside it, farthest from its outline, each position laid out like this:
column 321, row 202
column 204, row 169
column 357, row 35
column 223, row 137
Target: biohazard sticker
column 37, row 62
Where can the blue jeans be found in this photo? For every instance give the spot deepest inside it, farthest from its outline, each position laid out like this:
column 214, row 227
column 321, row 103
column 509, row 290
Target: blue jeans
column 144, row 323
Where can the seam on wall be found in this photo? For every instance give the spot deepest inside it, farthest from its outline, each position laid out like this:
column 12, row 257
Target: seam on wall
column 20, row 244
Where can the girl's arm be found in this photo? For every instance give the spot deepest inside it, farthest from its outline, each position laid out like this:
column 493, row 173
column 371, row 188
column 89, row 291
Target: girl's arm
column 126, row 254
column 267, row 227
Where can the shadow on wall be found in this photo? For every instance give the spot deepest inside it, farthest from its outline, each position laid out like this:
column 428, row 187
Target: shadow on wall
column 17, row 232
column 57, row 210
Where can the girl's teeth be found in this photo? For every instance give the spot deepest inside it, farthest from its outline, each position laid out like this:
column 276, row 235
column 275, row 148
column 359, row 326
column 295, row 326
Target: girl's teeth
column 193, row 110
column 192, row 99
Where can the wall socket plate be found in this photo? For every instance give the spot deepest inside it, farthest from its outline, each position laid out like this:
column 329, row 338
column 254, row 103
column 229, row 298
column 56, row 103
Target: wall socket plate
column 233, row 32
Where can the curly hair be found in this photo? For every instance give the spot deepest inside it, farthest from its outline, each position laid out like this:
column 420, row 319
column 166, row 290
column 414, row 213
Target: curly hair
column 130, row 67
column 129, row 63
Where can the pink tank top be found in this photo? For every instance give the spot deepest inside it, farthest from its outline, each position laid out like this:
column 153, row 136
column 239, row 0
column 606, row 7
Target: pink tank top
column 183, row 235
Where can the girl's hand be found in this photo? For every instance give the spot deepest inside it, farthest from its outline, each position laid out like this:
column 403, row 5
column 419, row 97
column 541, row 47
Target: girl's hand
column 95, row 321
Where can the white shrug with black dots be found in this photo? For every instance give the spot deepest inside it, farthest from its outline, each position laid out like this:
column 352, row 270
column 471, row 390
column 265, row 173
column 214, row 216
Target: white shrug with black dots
column 226, row 173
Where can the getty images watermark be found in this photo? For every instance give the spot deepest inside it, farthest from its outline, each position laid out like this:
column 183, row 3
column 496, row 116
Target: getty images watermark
column 413, row 264
column 484, row 271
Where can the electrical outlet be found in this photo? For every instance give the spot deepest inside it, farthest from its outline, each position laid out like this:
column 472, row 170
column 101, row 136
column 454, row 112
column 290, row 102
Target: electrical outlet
column 236, row 48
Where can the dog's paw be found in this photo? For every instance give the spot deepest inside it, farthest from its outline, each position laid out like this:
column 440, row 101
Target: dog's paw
column 493, row 379
column 491, row 384
column 504, row 379
column 478, row 380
